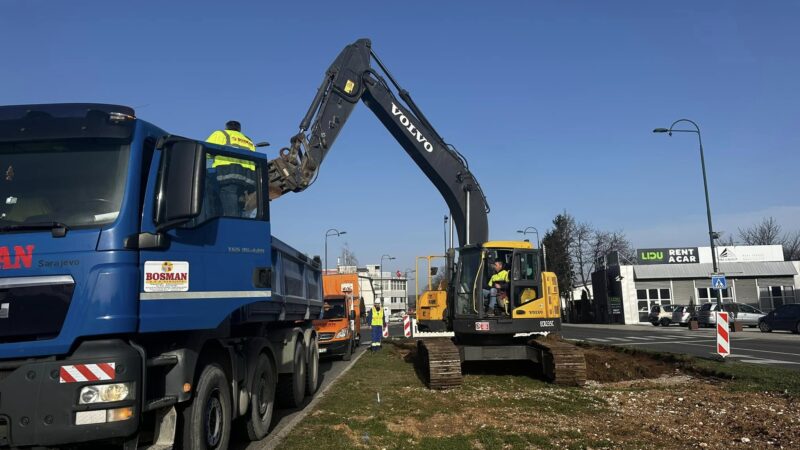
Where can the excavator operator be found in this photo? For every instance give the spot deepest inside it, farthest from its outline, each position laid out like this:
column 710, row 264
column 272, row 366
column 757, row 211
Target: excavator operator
column 498, row 282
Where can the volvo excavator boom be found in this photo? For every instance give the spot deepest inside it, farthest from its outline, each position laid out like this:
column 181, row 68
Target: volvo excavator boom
column 350, row 79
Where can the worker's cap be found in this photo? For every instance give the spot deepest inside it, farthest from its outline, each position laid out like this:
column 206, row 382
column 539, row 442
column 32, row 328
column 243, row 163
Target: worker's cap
column 377, row 302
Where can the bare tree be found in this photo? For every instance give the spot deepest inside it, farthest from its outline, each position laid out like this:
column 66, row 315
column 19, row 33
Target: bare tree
column 583, row 250
column 347, row 257
column 791, row 246
column 768, row 232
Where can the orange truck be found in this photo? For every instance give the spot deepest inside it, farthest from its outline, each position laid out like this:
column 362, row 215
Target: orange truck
column 339, row 329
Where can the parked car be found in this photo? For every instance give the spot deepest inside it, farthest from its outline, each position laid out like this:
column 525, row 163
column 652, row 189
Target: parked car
column 786, row 317
column 396, row 317
column 681, row 315
column 661, row 315
column 747, row 315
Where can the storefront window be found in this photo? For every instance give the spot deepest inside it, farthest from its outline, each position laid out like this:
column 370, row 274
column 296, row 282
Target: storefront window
column 775, row 296
column 647, row 298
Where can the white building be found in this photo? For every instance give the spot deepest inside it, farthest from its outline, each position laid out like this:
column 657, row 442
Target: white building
column 390, row 288
column 756, row 275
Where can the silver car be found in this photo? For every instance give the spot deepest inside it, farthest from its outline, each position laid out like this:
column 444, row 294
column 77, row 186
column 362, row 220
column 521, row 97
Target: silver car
column 681, row 315
column 747, row 315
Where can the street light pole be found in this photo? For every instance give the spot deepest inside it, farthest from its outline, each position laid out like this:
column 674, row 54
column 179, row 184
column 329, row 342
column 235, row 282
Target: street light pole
column 711, row 234
column 538, row 243
column 383, row 298
column 336, row 233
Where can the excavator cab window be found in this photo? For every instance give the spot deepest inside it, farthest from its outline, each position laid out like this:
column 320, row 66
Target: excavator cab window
column 470, row 268
column 525, row 277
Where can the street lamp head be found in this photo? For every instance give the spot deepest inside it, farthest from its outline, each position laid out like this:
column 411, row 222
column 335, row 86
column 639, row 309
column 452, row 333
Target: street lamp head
column 342, row 232
column 662, row 130
column 520, row 231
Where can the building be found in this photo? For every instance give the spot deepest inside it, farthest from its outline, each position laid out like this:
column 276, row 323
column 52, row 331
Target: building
column 390, row 288
column 756, row 275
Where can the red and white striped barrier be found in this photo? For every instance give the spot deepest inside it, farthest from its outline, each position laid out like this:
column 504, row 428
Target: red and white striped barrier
column 386, row 330
column 407, row 326
column 87, row 372
column 723, row 338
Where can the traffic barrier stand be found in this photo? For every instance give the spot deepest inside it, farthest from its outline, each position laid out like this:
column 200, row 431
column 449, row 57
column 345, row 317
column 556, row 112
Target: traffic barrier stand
column 723, row 336
column 406, row 326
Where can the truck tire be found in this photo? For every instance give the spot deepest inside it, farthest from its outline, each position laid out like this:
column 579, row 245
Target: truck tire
column 262, row 400
column 292, row 386
column 207, row 419
column 348, row 352
column 312, row 371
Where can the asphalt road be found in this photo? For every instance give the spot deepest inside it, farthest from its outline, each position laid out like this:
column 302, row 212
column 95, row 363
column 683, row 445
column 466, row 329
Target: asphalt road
column 780, row 349
column 284, row 419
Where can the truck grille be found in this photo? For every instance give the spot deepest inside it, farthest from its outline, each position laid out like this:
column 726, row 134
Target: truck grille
column 33, row 308
column 325, row 336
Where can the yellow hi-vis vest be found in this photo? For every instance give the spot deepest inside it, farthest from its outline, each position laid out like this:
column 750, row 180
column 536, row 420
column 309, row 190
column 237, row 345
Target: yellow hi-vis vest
column 499, row 277
column 233, row 139
column 377, row 317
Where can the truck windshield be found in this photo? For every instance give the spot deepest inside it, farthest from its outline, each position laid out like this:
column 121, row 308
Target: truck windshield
column 74, row 182
column 333, row 309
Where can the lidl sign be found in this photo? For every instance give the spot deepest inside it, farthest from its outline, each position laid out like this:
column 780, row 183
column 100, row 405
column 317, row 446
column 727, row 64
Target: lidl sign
column 681, row 255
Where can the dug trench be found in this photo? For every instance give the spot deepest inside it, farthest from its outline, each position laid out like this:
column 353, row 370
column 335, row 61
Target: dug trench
column 632, row 399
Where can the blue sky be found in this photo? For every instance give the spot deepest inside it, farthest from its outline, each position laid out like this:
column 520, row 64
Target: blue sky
column 553, row 104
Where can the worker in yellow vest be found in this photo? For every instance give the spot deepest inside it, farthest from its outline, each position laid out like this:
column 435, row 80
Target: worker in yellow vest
column 236, row 177
column 377, row 320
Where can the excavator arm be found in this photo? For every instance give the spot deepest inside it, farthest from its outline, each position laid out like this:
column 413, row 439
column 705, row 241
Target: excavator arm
column 349, row 79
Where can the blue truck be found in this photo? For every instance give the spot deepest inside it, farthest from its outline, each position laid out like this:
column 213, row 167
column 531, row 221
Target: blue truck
column 137, row 307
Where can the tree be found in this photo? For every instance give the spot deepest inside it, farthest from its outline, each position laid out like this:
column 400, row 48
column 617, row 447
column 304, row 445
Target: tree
column 556, row 242
column 768, row 232
column 347, row 257
column 791, row 246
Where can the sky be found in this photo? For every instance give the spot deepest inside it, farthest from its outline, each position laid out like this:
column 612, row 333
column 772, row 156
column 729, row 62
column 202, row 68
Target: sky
column 552, row 102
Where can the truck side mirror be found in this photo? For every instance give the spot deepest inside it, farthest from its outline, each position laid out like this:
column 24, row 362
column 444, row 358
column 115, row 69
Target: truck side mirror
column 181, row 182
column 434, row 271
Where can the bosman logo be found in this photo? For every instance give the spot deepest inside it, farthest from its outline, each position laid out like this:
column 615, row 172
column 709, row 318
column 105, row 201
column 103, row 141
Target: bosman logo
column 167, row 274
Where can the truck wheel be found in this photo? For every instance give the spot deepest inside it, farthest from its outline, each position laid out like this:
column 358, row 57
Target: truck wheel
column 262, row 400
column 207, row 419
column 348, row 352
column 292, row 386
column 312, row 372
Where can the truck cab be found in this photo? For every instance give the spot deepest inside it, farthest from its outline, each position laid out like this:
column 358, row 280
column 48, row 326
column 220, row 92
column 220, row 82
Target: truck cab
column 123, row 273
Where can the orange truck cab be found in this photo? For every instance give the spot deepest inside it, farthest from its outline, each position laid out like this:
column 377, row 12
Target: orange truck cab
column 339, row 329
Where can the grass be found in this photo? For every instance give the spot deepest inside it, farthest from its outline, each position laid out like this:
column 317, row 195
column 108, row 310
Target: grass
column 382, row 404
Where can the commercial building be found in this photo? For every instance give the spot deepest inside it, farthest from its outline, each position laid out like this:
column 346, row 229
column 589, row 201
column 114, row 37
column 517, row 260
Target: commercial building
column 390, row 288
column 755, row 275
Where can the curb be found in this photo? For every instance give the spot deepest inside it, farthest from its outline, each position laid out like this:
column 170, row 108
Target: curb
column 275, row 439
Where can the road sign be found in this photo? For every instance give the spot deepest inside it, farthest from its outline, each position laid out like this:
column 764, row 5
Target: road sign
column 719, row 282
column 723, row 342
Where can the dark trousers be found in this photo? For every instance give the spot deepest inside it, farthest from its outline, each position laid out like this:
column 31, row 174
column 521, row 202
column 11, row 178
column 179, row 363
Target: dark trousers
column 377, row 334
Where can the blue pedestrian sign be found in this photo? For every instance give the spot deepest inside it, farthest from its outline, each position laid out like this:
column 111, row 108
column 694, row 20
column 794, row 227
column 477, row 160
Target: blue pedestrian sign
column 718, row 282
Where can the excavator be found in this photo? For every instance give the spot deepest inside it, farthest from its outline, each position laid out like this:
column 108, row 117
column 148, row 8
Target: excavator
column 532, row 307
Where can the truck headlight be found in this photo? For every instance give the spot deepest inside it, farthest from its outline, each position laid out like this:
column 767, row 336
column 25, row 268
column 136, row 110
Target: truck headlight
column 342, row 333
column 104, row 393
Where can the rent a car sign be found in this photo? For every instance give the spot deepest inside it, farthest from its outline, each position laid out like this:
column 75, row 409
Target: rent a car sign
column 680, row 255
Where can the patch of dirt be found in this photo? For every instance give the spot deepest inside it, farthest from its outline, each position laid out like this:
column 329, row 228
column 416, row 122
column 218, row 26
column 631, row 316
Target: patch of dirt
column 606, row 365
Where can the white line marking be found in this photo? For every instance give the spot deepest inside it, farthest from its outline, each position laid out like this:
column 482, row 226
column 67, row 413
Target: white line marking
column 203, row 295
column 618, row 339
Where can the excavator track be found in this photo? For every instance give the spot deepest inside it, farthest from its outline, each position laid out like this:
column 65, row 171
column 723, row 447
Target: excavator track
column 440, row 363
column 562, row 362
